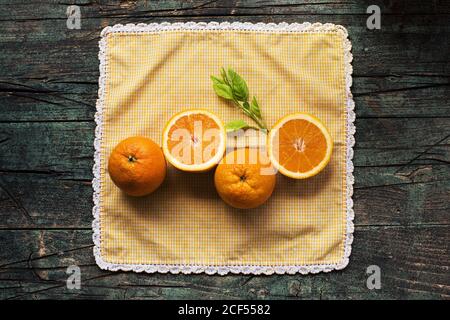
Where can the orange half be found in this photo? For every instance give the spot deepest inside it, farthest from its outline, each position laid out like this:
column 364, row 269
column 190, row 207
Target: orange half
column 300, row 146
column 194, row 140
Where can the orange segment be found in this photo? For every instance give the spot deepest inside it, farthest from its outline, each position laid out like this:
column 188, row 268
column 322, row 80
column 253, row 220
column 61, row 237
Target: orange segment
column 300, row 145
column 194, row 140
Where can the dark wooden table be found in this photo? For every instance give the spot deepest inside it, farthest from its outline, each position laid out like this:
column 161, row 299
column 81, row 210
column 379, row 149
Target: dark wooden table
column 48, row 89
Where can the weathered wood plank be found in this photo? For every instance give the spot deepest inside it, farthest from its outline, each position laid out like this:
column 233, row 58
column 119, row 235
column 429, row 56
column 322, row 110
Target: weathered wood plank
column 40, row 176
column 405, row 44
column 49, row 147
column 416, row 195
column 64, row 91
column 67, row 147
column 414, row 263
column 169, row 8
column 414, row 83
column 44, row 201
column 53, row 99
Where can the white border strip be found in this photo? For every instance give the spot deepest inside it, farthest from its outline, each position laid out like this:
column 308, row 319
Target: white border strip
column 243, row 26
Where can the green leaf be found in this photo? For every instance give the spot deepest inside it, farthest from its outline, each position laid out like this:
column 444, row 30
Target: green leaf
column 254, row 108
column 240, row 88
column 224, row 75
column 216, row 80
column 237, row 125
column 223, row 90
column 246, row 106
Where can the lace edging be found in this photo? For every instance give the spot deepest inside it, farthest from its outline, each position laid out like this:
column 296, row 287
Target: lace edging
column 210, row 269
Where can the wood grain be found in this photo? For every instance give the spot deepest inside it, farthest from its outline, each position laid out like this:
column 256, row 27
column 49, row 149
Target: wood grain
column 48, row 89
column 414, row 265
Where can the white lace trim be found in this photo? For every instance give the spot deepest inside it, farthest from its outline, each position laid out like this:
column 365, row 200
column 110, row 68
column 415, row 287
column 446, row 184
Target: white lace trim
column 212, row 269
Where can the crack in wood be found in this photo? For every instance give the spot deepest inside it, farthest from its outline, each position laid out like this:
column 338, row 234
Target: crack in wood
column 377, row 92
column 399, row 184
column 424, row 152
column 17, row 203
column 46, row 256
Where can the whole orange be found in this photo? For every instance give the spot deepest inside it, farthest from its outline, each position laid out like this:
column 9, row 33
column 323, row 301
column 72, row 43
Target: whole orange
column 137, row 166
column 245, row 178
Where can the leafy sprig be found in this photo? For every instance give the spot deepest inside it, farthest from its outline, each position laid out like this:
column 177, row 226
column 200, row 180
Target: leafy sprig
column 233, row 87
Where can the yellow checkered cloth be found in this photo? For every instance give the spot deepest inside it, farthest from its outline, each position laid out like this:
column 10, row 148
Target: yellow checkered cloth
column 151, row 76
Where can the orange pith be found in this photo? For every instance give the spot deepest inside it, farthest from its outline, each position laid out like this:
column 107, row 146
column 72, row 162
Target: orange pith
column 300, row 146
